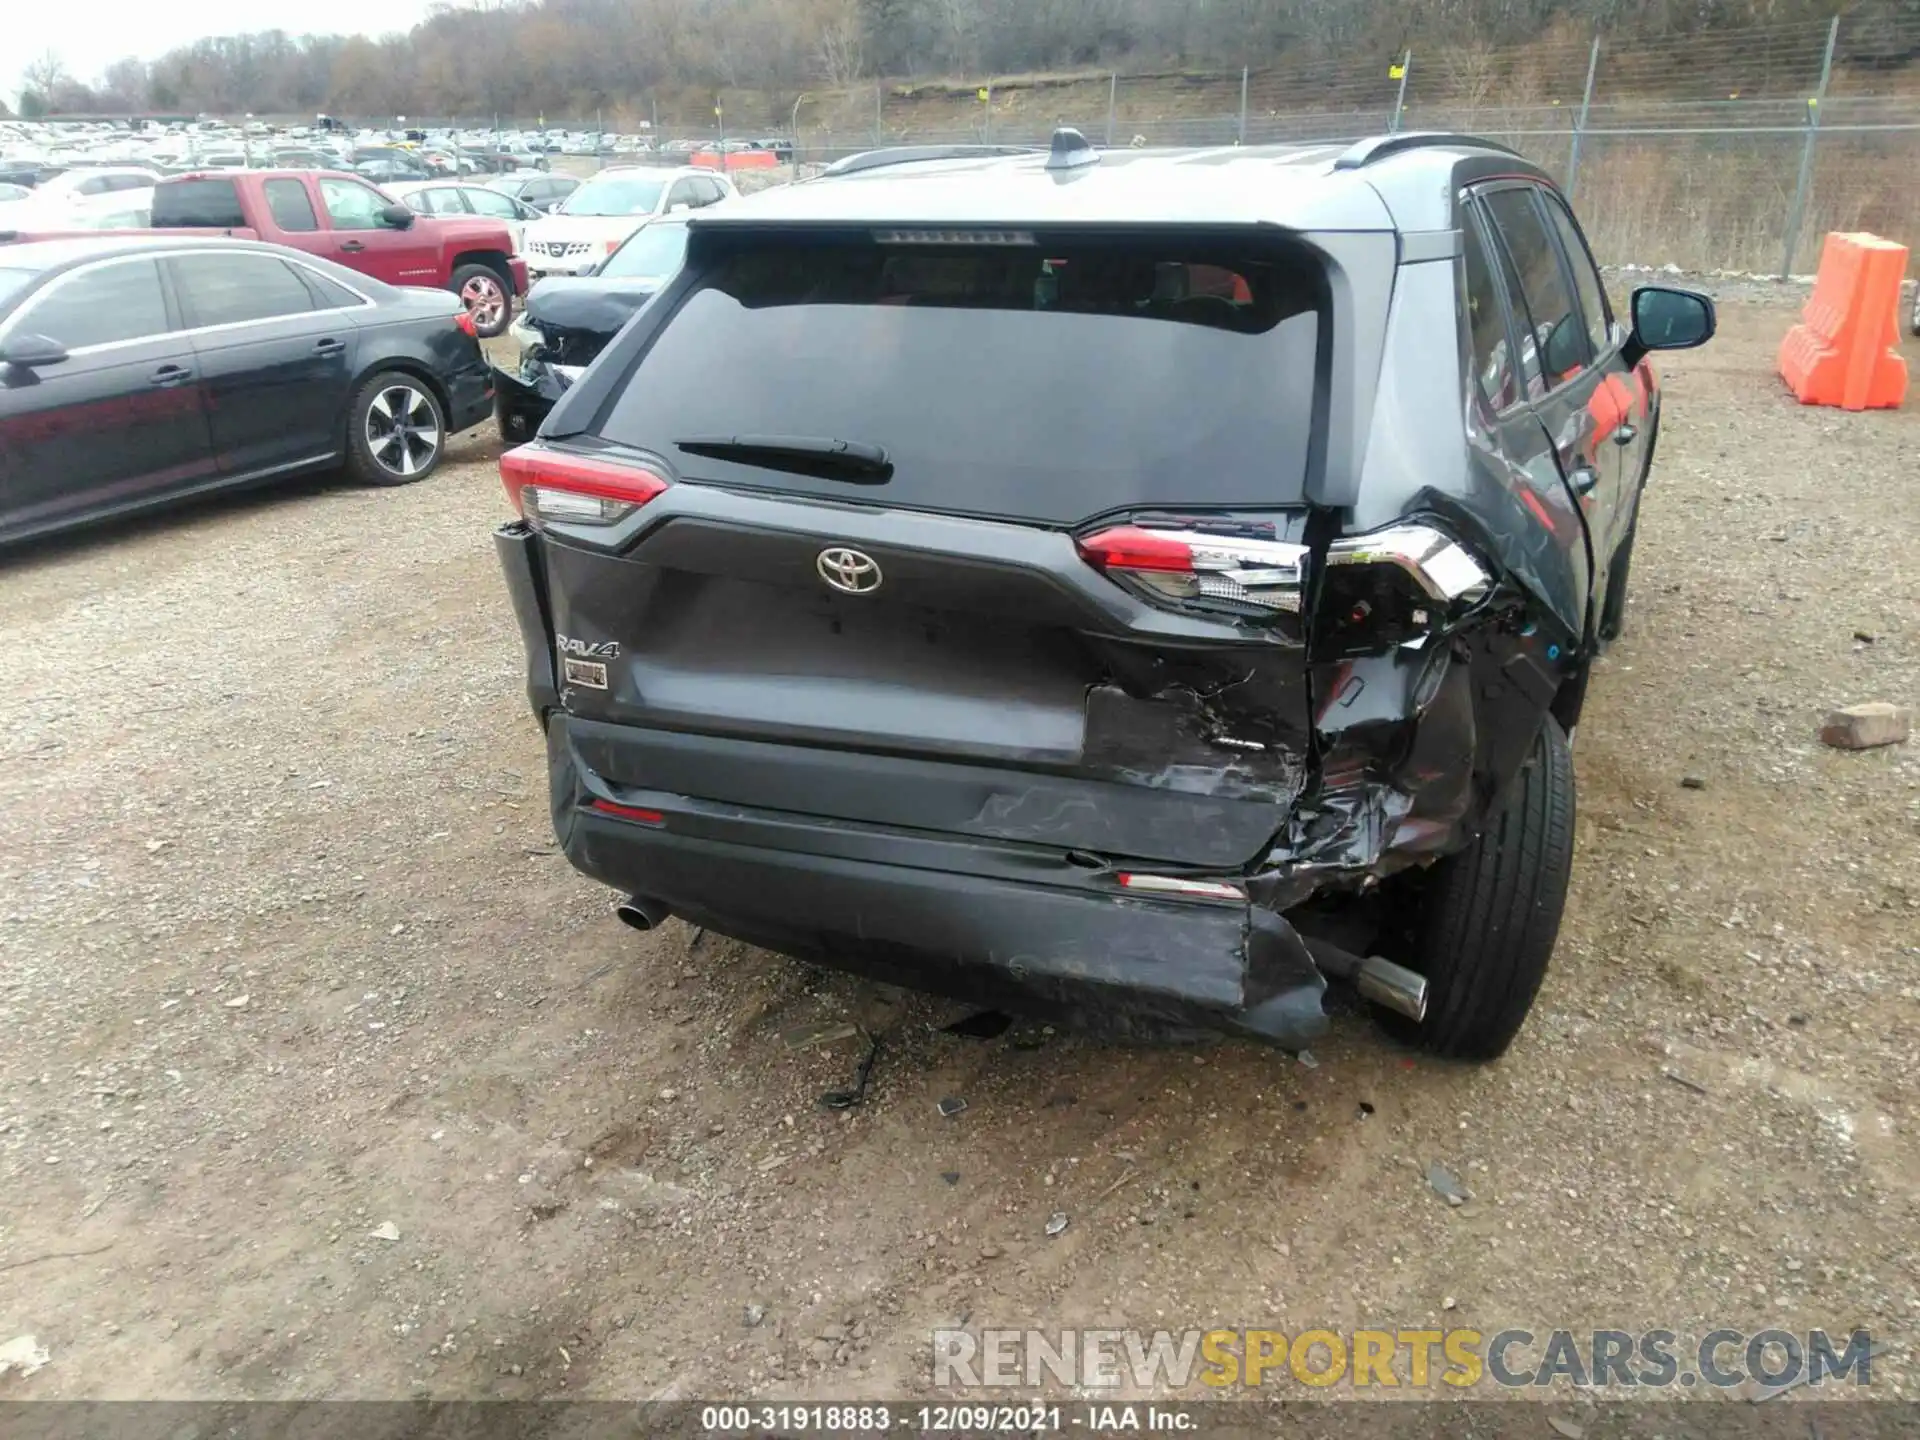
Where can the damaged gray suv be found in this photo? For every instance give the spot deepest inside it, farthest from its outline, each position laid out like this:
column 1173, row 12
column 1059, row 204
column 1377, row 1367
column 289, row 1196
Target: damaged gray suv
column 1137, row 588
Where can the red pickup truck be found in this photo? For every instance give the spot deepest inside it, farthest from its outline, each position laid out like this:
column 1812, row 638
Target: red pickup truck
column 342, row 218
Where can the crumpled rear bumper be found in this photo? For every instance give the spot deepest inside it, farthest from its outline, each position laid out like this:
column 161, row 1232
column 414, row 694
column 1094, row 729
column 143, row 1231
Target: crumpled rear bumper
column 992, row 923
column 522, row 398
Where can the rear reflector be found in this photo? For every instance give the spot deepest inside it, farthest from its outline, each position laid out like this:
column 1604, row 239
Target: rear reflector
column 1174, row 885
column 1197, row 566
column 629, row 812
column 555, row 487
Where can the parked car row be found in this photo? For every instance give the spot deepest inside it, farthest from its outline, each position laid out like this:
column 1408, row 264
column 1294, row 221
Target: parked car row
column 343, row 218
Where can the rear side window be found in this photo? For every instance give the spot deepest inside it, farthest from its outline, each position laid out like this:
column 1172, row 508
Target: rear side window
column 1487, row 324
column 1050, row 381
column 488, row 202
column 206, row 204
column 1553, row 330
column 101, row 306
column 328, row 294
column 291, row 206
column 232, row 289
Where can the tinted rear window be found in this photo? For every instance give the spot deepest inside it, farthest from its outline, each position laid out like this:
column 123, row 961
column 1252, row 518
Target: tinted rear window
column 1053, row 381
column 212, row 204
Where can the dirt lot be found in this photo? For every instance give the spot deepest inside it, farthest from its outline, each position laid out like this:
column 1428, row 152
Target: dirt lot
column 286, row 957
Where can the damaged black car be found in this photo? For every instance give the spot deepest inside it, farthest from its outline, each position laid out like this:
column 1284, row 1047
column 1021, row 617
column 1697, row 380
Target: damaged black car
column 567, row 320
column 1136, row 588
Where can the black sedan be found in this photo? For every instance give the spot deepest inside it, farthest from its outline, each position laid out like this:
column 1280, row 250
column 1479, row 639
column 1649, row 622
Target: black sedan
column 139, row 370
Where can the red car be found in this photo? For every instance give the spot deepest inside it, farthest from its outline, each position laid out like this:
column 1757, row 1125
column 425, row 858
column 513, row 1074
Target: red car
column 342, row 218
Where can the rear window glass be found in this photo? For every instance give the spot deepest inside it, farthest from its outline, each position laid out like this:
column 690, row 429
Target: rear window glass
column 212, row 204
column 1051, row 381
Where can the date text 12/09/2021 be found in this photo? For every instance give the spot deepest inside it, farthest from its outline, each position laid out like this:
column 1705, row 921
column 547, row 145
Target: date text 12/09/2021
column 964, row 1419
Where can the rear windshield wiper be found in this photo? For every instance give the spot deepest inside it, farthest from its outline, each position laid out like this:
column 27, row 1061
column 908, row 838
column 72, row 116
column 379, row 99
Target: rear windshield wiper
column 823, row 456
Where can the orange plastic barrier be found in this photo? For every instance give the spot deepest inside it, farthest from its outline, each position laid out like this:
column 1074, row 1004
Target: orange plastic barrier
column 1844, row 352
column 736, row 160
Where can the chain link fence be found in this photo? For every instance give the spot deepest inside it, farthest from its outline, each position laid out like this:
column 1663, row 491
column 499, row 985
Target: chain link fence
column 1728, row 151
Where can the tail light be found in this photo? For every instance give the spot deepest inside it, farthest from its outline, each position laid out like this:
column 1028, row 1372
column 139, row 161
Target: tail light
column 463, row 322
column 554, row 487
column 1392, row 586
column 1196, row 568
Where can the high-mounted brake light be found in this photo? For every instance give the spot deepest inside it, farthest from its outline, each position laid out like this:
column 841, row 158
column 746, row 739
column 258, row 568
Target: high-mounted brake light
column 1198, row 566
column 922, row 235
column 554, row 487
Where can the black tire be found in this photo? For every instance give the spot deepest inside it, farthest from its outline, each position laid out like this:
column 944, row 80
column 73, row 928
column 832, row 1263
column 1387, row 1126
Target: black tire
column 488, row 296
column 513, row 426
column 382, row 450
column 1492, row 913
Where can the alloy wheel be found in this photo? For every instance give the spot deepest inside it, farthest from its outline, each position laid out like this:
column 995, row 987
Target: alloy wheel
column 485, row 300
column 403, row 432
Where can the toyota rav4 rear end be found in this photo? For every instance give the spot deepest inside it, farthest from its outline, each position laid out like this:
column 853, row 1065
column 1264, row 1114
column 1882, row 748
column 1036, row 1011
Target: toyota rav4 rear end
column 984, row 596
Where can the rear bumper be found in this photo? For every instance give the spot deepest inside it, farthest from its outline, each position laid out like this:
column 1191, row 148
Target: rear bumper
column 521, row 402
column 978, row 920
column 469, row 396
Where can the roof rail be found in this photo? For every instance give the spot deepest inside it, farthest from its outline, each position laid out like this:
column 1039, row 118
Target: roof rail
column 909, row 154
column 1379, row 147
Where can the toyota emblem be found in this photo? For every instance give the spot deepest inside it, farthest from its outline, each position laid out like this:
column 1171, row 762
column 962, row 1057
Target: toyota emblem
column 849, row 571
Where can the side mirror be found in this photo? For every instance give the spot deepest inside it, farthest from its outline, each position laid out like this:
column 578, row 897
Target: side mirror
column 1565, row 349
column 1665, row 319
column 30, row 351
column 396, row 217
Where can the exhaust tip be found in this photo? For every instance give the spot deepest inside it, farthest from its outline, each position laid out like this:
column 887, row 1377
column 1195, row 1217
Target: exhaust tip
column 1395, row 987
column 642, row 912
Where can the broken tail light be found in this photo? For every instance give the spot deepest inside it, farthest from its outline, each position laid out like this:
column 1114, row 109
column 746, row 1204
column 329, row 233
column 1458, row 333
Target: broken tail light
column 1393, row 586
column 1243, row 576
column 553, row 487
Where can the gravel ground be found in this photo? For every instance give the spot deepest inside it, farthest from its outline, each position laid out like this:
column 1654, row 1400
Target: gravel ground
column 322, row 1075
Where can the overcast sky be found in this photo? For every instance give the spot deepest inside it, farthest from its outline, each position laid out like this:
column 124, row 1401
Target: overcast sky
column 90, row 35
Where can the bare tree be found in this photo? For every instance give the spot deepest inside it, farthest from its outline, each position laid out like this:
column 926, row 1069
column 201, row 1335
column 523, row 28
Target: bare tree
column 46, row 74
column 841, row 43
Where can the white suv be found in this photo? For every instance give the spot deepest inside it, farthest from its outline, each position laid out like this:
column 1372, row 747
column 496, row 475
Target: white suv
column 595, row 220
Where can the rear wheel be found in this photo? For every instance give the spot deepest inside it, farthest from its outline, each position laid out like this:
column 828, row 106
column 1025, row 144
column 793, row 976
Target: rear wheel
column 487, row 298
column 396, row 430
column 1492, row 913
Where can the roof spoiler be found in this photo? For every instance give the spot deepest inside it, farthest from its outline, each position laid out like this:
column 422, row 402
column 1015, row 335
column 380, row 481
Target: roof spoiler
column 1380, row 147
